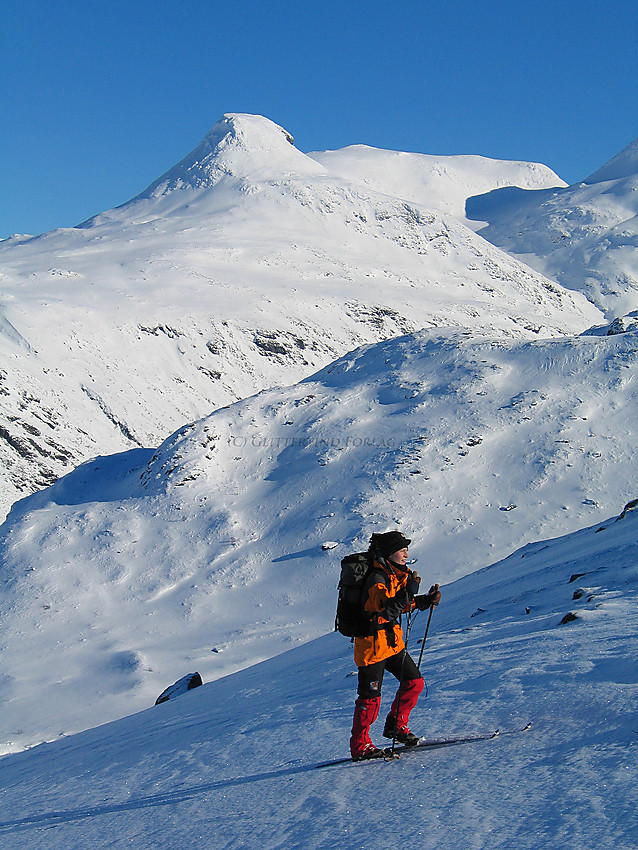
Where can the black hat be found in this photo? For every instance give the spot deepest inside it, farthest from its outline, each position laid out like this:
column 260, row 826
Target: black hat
column 389, row 543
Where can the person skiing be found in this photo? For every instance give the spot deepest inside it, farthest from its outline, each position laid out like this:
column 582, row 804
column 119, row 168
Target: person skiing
column 389, row 590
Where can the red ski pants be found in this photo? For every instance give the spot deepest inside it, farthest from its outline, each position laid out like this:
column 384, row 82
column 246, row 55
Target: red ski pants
column 366, row 712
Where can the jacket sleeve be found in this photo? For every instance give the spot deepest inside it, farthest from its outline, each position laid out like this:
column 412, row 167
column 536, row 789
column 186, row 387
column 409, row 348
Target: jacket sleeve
column 377, row 598
column 380, row 602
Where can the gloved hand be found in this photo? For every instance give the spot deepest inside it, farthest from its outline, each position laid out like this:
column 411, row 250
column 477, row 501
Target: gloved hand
column 412, row 584
column 396, row 605
column 427, row 600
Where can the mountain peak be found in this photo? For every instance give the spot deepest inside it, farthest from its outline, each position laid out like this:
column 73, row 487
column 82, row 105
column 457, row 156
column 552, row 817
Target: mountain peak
column 624, row 164
column 240, row 146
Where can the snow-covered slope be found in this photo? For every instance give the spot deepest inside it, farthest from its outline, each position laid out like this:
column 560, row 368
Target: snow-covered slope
column 248, row 264
column 584, row 236
column 233, row 764
column 620, row 167
column 208, row 553
column 443, row 183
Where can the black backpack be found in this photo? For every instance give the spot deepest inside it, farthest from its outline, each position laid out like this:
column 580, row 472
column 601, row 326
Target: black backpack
column 351, row 619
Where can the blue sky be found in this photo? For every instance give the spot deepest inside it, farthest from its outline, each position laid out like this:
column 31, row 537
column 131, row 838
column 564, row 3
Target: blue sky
column 98, row 99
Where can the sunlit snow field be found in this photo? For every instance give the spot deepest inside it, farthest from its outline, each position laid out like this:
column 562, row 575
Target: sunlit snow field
column 233, row 764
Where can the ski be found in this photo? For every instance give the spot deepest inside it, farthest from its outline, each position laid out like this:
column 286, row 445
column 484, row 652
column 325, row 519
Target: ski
column 429, row 744
column 349, row 760
column 435, row 743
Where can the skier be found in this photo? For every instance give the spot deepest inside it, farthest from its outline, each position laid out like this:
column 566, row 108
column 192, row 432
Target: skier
column 390, row 590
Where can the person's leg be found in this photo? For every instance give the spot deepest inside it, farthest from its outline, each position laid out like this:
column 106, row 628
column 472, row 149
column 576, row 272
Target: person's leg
column 410, row 687
column 366, row 711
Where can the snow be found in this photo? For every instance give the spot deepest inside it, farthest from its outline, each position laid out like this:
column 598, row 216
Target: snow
column 248, row 264
column 223, row 386
column 232, row 764
column 624, row 164
column 584, row 236
column 435, row 182
column 238, row 146
column 472, row 444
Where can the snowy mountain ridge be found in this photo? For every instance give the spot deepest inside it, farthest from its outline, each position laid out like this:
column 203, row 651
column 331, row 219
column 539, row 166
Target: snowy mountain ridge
column 249, row 264
column 247, row 149
column 443, row 183
column 584, row 236
column 619, row 167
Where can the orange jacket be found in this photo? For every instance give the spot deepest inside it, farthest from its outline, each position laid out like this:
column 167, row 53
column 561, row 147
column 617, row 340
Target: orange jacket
column 378, row 646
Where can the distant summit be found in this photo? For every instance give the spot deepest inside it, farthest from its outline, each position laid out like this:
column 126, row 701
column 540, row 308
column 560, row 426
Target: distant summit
column 238, row 146
column 624, row 164
column 242, row 152
column 583, row 236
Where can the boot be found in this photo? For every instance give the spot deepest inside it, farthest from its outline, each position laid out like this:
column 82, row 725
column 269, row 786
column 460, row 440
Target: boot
column 396, row 723
column 366, row 712
column 370, row 752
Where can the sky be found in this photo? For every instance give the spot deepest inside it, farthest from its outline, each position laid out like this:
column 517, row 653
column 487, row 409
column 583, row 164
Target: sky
column 98, row 99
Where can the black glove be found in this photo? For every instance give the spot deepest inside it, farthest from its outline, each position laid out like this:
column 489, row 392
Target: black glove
column 427, row 600
column 412, row 584
column 396, row 605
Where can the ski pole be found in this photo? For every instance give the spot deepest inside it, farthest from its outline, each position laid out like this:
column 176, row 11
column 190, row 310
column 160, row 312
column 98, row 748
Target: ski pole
column 427, row 628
